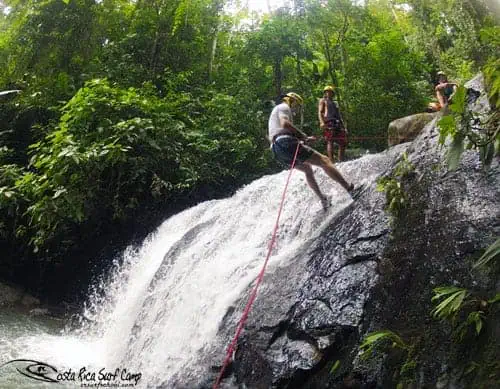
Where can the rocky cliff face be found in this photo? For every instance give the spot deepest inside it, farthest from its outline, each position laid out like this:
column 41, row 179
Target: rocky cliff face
column 365, row 274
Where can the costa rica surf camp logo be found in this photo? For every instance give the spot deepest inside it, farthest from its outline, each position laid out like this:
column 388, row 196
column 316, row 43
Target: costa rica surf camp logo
column 85, row 377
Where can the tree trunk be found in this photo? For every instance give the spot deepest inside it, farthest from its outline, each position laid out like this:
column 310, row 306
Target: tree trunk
column 329, row 59
column 277, row 76
column 212, row 56
column 217, row 6
column 155, row 50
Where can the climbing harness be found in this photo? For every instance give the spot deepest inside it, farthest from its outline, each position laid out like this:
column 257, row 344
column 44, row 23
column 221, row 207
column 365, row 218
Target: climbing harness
column 253, row 295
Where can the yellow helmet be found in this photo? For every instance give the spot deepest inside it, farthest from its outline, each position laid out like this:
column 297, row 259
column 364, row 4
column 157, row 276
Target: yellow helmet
column 294, row 98
column 329, row 87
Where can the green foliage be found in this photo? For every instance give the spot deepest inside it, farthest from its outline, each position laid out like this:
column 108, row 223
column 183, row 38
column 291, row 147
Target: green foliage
column 474, row 322
column 495, row 299
column 465, row 312
column 476, row 319
column 380, row 340
column 452, row 300
column 491, row 254
column 11, row 201
column 393, row 186
column 382, row 83
column 384, row 341
column 448, row 33
column 335, row 367
column 491, row 70
column 492, row 78
column 459, row 102
column 408, row 370
column 115, row 150
column 467, row 131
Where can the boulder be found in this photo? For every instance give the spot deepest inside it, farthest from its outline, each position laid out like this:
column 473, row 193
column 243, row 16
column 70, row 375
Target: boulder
column 15, row 297
column 407, row 128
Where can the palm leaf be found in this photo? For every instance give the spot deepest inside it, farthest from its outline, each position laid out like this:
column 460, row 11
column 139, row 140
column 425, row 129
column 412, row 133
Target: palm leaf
column 373, row 339
column 448, row 307
column 495, row 299
column 335, row 367
column 491, row 253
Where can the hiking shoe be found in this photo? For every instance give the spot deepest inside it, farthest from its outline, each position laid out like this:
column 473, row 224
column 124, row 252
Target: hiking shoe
column 355, row 191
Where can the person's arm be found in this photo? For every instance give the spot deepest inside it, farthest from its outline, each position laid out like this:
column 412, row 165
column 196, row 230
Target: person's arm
column 287, row 124
column 439, row 94
column 285, row 118
column 321, row 113
column 444, row 85
column 455, row 88
column 340, row 117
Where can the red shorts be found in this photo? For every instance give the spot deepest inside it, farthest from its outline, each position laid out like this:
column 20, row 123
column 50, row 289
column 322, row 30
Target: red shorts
column 337, row 135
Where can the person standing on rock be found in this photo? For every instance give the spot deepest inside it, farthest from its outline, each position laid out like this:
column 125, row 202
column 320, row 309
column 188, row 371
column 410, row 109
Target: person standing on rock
column 330, row 121
column 285, row 138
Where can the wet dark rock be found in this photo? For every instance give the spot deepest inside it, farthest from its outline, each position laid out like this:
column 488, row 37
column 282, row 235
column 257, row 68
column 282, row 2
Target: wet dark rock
column 251, row 367
column 13, row 296
column 39, row 312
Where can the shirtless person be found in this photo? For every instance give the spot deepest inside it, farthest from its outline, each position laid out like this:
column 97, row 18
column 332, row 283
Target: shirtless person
column 330, row 121
column 444, row 89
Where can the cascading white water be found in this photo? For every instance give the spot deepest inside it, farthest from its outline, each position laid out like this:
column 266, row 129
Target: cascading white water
column 171, row 315
column 165, row 300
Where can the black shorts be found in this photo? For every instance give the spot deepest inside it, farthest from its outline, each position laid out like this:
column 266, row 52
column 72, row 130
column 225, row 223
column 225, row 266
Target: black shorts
column 284, row 148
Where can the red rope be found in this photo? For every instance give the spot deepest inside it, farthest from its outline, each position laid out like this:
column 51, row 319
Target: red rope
column 366, row 137
column 253, row 295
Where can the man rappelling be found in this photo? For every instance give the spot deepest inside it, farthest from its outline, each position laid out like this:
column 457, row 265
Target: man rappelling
column 285, row 138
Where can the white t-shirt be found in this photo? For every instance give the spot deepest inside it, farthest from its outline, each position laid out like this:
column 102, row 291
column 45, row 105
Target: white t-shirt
column 281, row 111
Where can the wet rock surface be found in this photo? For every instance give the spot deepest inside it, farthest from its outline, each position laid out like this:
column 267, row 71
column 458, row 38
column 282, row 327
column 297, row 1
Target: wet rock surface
column 11, row 296
column 365, row 274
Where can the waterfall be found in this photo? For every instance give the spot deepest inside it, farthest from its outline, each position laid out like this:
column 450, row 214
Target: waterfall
column 163, row 304
column 172, row 294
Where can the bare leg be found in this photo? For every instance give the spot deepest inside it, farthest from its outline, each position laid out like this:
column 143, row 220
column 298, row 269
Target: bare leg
column 341, row 153
column 441, row 98
column 322, row 161
column 311, row 181
column 329, row 149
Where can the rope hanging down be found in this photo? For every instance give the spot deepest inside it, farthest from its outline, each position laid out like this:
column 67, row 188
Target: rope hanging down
column 253, row 295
